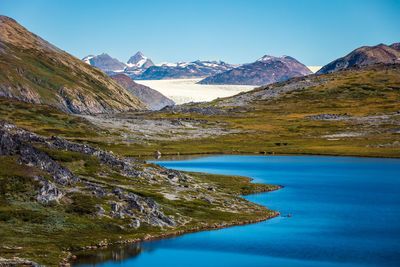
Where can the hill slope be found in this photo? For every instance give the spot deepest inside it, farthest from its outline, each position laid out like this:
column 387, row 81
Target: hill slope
column 33, row 70
column 266, row 70
column 365, row 56
column 152, row 98
column 350, row 112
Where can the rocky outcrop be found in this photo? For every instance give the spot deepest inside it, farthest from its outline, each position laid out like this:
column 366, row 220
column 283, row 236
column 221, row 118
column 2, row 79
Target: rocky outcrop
column 146, row 209
column 15, row 141
column 124, row 165
column 365, row 56
column 152, row 98
column 328, row 117
column 266, row 70
column 48, row 191
column 17, row 262
column 194, row 108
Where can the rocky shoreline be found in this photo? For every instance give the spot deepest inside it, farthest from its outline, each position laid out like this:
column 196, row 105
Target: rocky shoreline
column 71, row 258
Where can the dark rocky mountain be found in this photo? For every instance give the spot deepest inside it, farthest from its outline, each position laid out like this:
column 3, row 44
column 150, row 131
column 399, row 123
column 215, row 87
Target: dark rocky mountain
column 152, row 98
column 266, row 70
column 182, row 70
column 365, row 56
column 35, row 71
column 105, row 63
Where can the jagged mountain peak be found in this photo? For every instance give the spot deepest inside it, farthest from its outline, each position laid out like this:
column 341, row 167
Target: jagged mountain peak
column 139, row 60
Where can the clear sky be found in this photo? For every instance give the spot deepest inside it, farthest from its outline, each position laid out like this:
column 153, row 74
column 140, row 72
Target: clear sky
column 236, row 31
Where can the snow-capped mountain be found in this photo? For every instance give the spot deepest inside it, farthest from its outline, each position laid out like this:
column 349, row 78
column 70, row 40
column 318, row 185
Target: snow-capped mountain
column 139, row 61
column 182, row 70
column 141, row 67
column 267, row 69
column 105, row 63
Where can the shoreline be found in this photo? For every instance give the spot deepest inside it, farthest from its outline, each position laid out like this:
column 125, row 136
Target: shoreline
column 69, row 261
column 168, row 156
column 71, row 258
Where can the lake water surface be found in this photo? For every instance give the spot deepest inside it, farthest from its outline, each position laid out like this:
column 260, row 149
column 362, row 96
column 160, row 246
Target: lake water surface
column 345, row 212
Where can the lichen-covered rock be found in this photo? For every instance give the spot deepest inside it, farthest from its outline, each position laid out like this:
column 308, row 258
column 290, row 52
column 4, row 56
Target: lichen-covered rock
column 15, row 141
column 48, row 191
column 142, row 208
column 17, row 262
column 135, row 223
column 123, row 165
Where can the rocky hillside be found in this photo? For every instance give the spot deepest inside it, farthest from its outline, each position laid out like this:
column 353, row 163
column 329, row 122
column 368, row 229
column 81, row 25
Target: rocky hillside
column 86, row 197
column 35, row 71
column 183, row 70
column 365, row 56
column 266, row 70
column 105, row 63
column 152, row 98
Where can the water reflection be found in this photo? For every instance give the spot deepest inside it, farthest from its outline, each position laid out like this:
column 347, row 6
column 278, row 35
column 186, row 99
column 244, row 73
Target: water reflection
column 116, row 253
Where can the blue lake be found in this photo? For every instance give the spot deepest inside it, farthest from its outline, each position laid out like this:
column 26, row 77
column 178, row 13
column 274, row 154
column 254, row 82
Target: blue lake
column 345, row 212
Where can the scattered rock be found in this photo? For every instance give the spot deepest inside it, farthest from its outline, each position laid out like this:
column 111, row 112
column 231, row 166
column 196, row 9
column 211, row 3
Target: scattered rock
column 48, row 191
column 331, row 117
column 15, row 141
column 17, row 262
column 100, row 211
column 135, row 223
column 157, row 154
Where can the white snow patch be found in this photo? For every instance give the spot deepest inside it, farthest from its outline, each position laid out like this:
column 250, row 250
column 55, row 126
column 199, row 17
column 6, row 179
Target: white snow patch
column 87, row 59
column 314, row 69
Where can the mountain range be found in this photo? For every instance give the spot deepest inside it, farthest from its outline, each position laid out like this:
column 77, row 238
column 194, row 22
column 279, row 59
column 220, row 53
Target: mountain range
column 181, row 70
column 141, row 67
column 266, row 70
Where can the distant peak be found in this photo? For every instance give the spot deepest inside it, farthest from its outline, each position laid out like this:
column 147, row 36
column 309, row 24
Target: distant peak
column 139, row 60
column 269, row 57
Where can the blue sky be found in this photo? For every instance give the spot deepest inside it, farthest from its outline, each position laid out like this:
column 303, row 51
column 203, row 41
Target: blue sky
column 236, row 31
